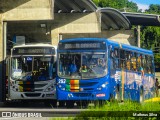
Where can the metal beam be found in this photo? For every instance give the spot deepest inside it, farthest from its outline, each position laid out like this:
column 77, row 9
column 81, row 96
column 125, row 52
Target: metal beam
column 143, row 19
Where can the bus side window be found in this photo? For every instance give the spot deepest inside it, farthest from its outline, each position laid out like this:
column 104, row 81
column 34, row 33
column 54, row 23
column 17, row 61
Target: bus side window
column 116, row 58
column 128, row 60
column 112, row 59
column 149, row 64
column 144, row 63
column 134, row 62
column 139, row 60
column 152, row 65
column 122, row 59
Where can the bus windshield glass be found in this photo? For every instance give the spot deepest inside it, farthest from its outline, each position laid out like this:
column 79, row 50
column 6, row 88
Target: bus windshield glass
column 36, row 68
column 86, row 65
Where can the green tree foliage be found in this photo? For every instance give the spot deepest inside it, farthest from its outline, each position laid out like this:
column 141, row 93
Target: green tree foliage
column 150, row 35
column 123, row 5
column 153, row 9
column 132, row 7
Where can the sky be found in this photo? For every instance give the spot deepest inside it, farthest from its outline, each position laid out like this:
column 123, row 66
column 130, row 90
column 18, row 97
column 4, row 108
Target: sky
column 144, row 4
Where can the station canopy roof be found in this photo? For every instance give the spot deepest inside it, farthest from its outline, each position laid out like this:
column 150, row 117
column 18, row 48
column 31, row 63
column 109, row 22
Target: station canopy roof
column 110, row 18
column 143, row 19
column 74, row 6
column 113, row 19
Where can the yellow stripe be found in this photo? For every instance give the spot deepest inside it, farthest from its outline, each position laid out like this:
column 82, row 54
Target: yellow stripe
column 74, row 90
column 20, row 82
column 74, row 87
column 76, row 82
column 20, row 88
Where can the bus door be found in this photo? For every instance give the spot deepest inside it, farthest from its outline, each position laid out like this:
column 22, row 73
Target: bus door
column 115, row 72
column 122, row 74
column 8, row 68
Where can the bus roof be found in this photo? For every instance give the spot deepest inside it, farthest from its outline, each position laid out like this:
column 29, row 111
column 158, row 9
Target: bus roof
column 35, row 45
column 117, row 44
column 130, row 47
column 82, row 39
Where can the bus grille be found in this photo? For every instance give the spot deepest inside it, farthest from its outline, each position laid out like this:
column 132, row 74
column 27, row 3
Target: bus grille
column 32, row 94
column 82, row 94
column 39, row 85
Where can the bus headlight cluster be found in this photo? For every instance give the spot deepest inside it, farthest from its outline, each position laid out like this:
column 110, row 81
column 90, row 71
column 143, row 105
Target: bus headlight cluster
column 15, row 88
column 104, row 85
column 50, row 88
column 61, row 87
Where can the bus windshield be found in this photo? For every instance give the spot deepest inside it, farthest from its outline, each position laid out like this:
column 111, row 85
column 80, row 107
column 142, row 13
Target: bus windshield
column 86, row 65
column 36, row 68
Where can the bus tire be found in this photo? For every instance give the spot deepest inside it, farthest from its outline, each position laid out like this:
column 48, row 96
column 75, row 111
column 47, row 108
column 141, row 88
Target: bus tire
column 141, row 99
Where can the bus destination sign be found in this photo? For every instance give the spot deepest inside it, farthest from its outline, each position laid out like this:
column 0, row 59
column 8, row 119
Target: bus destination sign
column 33, row 50
column 86, row 45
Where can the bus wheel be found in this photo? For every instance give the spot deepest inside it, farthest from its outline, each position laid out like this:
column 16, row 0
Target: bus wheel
column 141, row 99
column 69, row 104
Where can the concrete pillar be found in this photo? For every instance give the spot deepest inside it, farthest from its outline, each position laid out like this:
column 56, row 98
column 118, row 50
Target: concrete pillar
column 55, row 37
column 2, row 76
column 138, row 36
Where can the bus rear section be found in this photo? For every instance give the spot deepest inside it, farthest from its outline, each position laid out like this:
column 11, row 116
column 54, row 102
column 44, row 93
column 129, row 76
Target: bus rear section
column 82, row 71
column 32, row 73
column 133, row 71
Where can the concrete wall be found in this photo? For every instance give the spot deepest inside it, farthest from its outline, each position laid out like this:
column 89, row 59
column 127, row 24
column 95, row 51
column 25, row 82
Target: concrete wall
column 1, row 38
column 32, row 31
column 74, row 23
column 27, row 9
column 121, row 36
column 1, row 60
column 86, row 25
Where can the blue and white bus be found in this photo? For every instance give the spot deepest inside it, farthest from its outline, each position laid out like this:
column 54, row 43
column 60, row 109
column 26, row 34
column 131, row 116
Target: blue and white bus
column 112, row 71
column 32, row 72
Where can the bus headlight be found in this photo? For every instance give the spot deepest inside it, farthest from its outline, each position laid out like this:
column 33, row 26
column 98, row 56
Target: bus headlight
column 104, row 85
column 50, row 88
column 15, row 88
column 61, row 87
